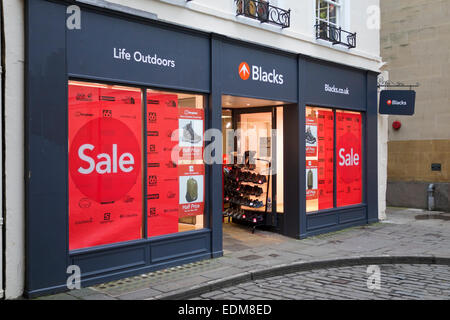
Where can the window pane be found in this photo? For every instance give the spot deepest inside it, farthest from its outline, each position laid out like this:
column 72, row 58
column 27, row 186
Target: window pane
column 324, row 14
column 349, row 162
column 175, row 168
column 105, row 164
column 279, row 162
column 319, row 138
column 332, row 13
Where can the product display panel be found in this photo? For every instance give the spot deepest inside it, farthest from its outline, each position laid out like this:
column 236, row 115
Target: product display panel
column 175, row 168
column 319, row 138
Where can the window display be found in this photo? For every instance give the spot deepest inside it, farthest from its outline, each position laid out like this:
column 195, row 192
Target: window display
column 106, row 172
column 319, row 139
column 175, row 192
column 320, row 162
column 349, row 162
column 105, row 164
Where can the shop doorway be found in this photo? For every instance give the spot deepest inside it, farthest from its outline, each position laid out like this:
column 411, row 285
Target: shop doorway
column 253, row 177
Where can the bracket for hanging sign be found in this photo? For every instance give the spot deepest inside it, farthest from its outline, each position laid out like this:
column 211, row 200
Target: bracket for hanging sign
column 398, row 84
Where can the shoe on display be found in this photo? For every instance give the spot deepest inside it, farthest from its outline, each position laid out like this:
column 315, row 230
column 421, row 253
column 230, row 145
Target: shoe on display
column 258, row 204
column 263, row 179
column 189, row 134
column 260, row 191
column 309, row 136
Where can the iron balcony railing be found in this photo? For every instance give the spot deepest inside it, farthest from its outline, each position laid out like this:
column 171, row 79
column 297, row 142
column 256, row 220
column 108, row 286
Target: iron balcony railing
column 335, row 35
column 263, row 11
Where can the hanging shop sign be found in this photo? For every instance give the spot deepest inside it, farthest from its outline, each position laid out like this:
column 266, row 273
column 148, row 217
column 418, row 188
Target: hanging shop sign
column 398, row 102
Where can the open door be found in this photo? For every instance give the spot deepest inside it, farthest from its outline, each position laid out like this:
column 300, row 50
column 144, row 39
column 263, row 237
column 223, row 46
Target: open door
column 255, row 145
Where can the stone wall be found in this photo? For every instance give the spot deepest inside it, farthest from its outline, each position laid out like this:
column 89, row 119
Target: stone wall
column 415, row 44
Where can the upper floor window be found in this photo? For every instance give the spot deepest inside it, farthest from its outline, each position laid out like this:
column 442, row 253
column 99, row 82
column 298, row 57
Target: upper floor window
column 330, row 21
column 264, row 11
column 329, row 12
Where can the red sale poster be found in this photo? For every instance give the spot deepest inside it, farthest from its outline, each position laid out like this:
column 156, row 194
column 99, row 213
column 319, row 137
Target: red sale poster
column 162, row 167
column 311, row 135
column 325, row 122
column 192, row 181
column 349, row 158
column 105, row 174
column 311, row 179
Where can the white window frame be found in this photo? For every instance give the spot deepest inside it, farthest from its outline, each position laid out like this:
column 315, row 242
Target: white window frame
column 344, row 21
column 339, row 5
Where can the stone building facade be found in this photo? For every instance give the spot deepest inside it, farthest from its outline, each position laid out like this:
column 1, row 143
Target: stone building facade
column 415, row 44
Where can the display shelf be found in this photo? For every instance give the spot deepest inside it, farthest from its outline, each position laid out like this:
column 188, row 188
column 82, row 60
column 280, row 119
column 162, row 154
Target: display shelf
column 235, row 181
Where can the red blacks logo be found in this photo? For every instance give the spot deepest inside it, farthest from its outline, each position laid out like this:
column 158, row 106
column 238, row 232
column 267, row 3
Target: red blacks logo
column 104, row 159
column 244, row 71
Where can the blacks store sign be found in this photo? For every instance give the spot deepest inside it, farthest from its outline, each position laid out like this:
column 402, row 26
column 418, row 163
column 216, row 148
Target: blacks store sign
column 398, row 102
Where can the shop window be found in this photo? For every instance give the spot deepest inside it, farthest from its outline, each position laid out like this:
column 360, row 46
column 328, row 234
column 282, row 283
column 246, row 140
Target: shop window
column 319, row 139
column 326, row 165
column 105, row 164
column 349, row 158
column 175, row 168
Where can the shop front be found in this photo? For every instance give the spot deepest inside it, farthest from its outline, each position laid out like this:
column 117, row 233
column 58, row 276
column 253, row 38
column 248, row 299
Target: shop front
column 124, row 172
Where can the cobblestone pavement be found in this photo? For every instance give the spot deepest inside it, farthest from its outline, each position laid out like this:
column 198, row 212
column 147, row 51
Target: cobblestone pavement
column 405, row 232
column 405, row 282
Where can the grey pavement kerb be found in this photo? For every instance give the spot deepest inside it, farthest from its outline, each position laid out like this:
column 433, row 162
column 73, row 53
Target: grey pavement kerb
column 186, row 293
